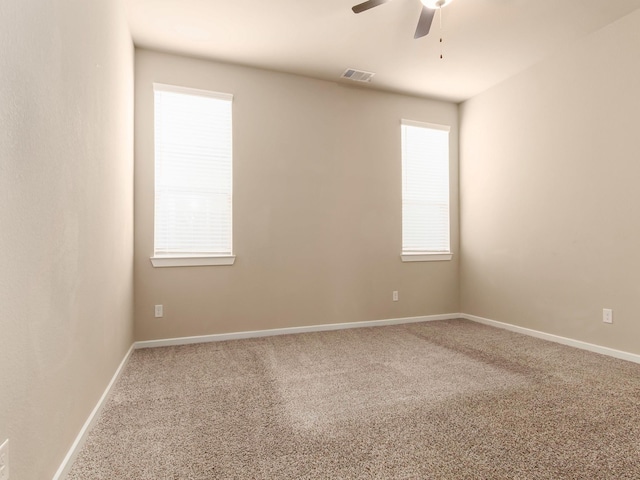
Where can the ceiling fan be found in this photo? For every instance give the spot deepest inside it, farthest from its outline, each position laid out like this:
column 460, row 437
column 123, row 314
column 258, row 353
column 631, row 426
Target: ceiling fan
column 429, row 8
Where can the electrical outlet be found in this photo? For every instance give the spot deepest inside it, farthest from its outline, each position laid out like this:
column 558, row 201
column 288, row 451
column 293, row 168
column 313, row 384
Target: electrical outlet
column 607, row 315
column 395, row 295
column 159, row 314
column 4, row 460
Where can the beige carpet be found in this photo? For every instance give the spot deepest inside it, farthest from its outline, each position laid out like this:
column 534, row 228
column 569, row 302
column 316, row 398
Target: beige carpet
column 439, row 400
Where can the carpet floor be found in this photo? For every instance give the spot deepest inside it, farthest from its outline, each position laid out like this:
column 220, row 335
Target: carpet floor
column 438, row 400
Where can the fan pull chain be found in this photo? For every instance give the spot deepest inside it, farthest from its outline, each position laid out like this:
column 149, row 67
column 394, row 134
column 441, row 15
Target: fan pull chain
column 440, row 18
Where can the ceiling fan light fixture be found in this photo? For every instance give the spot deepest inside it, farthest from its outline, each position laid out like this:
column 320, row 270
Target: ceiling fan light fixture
column 435, row 4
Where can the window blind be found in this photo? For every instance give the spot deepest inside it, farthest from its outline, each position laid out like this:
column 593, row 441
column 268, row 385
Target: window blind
column 425, row 188
column 193, row 172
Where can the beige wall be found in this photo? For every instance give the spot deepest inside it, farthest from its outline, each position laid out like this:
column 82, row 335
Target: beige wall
column 550, row 164
column 317, row 220
column 66, row 226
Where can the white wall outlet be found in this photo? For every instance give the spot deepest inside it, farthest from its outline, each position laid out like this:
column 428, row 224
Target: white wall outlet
column 395, row 295
column 4, row 460
column 607, row 315
column 159, row 313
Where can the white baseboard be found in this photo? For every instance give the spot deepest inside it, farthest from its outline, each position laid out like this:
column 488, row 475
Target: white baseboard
column 394, row 321
column 631, row 357
column 291, row 330
column 66, row 464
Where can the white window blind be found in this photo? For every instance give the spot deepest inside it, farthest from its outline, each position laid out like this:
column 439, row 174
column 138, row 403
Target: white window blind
column 425, row 188
column 193, row 172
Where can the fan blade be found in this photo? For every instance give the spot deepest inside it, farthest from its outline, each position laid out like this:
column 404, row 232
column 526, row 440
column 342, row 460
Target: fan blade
column 361, row 7
column 424, row 24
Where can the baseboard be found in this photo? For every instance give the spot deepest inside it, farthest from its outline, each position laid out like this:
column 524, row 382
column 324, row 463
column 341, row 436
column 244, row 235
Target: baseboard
column 66, row 464
column 287, row 331
column 631, row 357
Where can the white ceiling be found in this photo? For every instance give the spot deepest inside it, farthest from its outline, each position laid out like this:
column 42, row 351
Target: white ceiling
column 484, row 41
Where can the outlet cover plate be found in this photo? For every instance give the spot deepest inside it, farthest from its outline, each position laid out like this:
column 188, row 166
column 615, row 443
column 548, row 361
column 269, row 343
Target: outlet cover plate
column 607, row 315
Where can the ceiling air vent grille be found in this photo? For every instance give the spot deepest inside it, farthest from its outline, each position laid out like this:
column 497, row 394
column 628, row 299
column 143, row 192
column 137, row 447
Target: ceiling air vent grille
column 357, row 75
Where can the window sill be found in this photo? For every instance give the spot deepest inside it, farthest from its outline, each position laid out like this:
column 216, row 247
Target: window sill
column 426, row 257
column 192, row 261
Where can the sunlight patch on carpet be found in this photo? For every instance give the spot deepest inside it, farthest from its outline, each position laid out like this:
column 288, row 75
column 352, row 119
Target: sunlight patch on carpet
column 319, row 389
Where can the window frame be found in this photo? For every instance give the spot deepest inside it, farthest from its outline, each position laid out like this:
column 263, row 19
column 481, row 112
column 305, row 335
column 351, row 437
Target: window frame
column 427, row 255
column 185, row 259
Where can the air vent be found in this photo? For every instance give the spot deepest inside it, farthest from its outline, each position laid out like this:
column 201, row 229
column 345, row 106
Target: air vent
column 357, row 75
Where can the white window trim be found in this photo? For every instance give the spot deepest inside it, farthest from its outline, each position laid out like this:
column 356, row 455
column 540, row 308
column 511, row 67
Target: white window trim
column 427, row 256
column 192, row 261
column 432, row 126
column 185, row 260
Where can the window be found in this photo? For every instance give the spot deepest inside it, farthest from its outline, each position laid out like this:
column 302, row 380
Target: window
column 193, row 177
column 425, row 192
